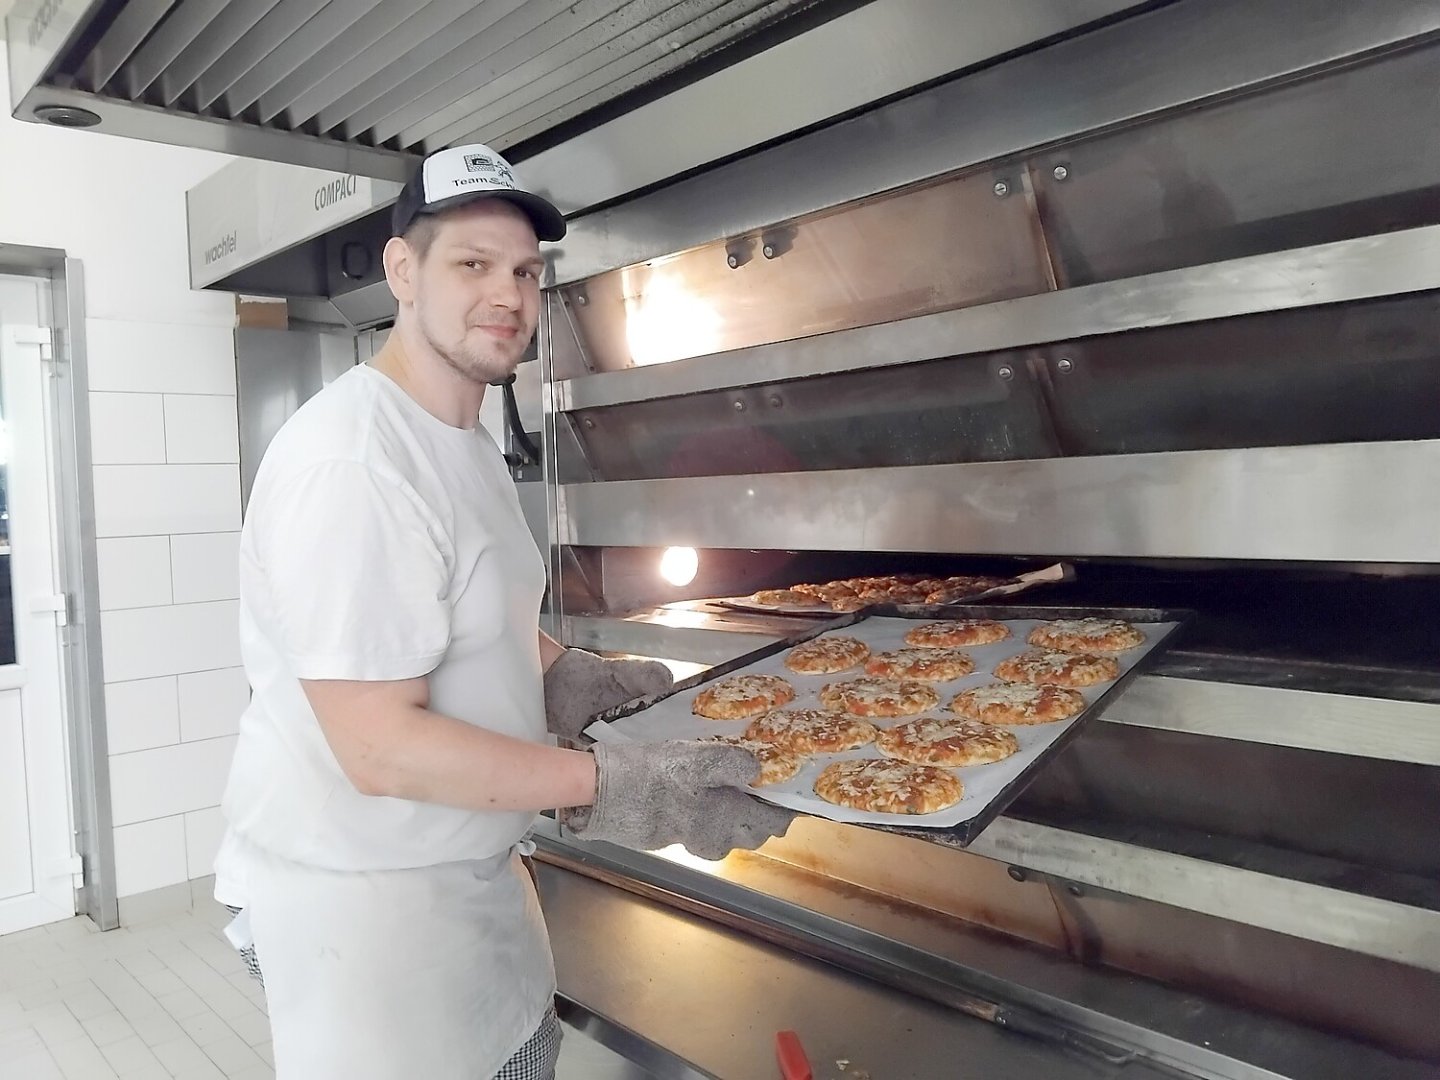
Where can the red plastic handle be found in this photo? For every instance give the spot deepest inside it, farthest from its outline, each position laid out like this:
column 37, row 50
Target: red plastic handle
column 794, row 1065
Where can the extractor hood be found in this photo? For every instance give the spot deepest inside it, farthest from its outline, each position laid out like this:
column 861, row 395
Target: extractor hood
column 597, row 99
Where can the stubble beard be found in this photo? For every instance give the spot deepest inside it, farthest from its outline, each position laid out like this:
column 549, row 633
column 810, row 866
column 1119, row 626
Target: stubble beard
column 478, row 365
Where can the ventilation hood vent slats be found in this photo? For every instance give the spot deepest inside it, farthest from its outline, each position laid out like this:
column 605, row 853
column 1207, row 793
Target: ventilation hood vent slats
column 398, row 75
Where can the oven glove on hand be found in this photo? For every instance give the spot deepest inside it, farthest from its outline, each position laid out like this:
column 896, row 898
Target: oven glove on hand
column 580, row 684
column 651, row 795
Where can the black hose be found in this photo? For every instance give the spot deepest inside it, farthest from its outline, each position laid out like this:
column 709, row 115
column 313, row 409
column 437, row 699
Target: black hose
column 530, row 451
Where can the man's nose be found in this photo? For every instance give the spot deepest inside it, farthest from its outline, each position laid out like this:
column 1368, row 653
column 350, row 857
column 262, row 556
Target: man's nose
column 506, row 293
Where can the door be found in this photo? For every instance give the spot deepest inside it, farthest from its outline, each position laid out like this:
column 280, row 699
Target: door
column 36, row 835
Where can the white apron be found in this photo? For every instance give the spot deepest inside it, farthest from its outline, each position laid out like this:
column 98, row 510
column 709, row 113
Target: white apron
column 395, row 974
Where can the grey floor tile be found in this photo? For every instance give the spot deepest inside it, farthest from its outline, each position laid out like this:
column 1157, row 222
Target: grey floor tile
column 205, row 1028
column 55, row 1024
column 253, row 1027
column 34, row 1064
column 182, row 1003
column 231, row 1054
column 88, row 1002
column 80, row 1059
column 129, row 1055
column 158, row 1028
column 181, row 1055
column 161, row 982
column 108, row 1028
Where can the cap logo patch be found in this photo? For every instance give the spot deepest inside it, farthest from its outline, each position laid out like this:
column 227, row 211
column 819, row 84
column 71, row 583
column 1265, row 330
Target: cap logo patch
column 497, row 170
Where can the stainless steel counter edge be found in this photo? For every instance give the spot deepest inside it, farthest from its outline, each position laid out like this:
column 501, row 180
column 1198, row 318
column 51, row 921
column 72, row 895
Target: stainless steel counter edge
column 1361, row 924
column 1346, row 270
column 1163, row 1025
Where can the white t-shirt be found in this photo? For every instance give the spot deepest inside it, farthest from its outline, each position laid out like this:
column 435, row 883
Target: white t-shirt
column 380, row 544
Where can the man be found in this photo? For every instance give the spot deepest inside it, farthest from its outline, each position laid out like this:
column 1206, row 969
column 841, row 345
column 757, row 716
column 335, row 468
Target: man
column 395, row 751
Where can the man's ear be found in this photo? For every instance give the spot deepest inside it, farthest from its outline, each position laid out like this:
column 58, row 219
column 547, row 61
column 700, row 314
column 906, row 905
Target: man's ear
column 402, row 262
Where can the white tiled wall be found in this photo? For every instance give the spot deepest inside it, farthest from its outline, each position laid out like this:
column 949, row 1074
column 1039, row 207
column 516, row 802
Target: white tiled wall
column 167, row 487
column 206, row 566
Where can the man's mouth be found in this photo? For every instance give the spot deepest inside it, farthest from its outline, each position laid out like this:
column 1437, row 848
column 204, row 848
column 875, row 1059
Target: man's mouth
column 500, row 330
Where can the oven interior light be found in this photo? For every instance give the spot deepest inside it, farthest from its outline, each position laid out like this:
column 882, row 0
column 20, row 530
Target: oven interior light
column 667, row 322
column 679, row 565
column 677, row 854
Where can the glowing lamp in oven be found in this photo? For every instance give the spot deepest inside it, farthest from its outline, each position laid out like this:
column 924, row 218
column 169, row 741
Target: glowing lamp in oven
column 666, row 322
column 679, row 565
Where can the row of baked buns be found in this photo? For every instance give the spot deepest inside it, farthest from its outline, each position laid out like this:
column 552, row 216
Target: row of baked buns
column 1037, row 687
column 852, row 594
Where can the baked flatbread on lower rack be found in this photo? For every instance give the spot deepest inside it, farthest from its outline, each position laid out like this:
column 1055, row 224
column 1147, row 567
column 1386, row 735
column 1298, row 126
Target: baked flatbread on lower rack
column 742, row 696
column 1041, row 668
column 948, row 742
column 886, row 786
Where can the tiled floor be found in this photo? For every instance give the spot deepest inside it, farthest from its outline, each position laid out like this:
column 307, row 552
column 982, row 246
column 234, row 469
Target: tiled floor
column 159, row 1000
column 155, row 1001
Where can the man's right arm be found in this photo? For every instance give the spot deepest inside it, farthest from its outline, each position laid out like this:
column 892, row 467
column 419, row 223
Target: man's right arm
column 389, row 742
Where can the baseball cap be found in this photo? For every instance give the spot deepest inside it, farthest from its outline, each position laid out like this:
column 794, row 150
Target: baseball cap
column 461, row 174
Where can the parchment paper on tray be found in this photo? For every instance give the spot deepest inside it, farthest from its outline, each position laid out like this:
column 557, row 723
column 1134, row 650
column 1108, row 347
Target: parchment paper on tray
column 988, row 788
column 1049, row 575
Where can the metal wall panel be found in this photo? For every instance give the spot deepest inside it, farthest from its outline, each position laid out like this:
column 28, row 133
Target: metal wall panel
column 933, row 248
column 276, row 372
column 1343, row 503
column 1177, row 55
column 1349, row 153
column 1350, row 270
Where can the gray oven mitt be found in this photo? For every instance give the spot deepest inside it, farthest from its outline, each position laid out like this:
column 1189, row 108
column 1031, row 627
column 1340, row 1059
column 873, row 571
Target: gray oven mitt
column 580, row 684
column 651, row 795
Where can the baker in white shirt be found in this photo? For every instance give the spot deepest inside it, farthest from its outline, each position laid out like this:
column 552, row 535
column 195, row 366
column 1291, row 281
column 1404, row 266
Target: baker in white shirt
column 395, row 751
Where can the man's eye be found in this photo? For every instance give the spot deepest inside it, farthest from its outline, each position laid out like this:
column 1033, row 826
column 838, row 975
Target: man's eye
column 525, row 273
column 473, row 264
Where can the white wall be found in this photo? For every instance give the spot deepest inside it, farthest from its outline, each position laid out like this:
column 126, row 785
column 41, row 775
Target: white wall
column 167, row 486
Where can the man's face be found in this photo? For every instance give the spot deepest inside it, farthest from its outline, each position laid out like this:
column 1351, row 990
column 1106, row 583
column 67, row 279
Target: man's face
column 476, row 292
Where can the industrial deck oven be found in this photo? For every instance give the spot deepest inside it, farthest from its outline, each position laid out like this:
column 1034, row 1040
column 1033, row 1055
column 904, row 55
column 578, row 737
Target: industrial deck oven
column 886, row 286
column 1159, row 300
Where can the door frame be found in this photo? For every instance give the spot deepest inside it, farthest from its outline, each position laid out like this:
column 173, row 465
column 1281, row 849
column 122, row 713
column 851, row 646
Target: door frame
column 83, row 676
column 35, row 677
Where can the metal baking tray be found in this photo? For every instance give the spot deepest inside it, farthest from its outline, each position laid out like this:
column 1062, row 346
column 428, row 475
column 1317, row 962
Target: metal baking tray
column 1030, row 580
column 1048, row 739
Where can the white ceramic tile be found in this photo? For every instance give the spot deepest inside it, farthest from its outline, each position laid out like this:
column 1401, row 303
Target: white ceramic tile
column 211, row 703
column 143, row 643
column 151, row 500
column 160, row 358
column 206, row 566
column 132, row 240
column 169, row 780
column 149, row 854
column 134, row 571
column 127, row 429
column 142, row 714
column 203, row 830
column 201, row 429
